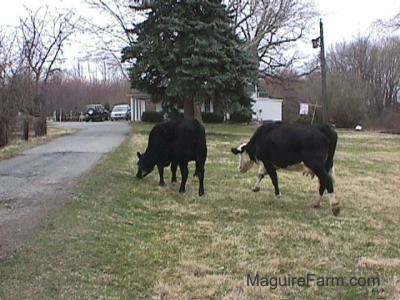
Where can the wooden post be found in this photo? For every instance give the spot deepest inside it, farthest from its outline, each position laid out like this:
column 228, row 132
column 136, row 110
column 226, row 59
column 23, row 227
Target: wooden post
column 325, row 101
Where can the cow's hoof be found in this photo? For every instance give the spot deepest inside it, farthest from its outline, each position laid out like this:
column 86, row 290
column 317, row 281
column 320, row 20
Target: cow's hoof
column 316, row 205
column 161, row 183
column 335, row 210
column 173, row 181
column 201, row 193
column 181, row 191
column 278, row 197
column 256, row 189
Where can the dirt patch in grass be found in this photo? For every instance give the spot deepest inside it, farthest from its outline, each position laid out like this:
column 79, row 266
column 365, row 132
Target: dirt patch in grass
column 378, row 262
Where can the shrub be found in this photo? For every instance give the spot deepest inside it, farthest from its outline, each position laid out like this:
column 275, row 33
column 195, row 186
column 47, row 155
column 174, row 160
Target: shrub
column 175, row 115
column 152, row 116
column 307, row 119
column 212, row 117
column 392, row 122
column 348, row 101
column 241, row 116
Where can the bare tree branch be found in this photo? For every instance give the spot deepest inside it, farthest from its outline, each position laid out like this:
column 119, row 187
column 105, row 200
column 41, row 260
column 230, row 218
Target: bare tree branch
column 43, row 36
column 114, row 32
column 268, row 27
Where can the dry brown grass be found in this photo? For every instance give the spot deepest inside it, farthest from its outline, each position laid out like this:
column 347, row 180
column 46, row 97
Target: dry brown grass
column 152, row 242
column 17, row 146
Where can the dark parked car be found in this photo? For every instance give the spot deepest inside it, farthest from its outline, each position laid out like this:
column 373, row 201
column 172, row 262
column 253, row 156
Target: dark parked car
column 96, row 112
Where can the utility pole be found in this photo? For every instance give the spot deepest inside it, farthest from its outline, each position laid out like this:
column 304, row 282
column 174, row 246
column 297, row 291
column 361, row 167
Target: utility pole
column 325, row 101
column 319, row 42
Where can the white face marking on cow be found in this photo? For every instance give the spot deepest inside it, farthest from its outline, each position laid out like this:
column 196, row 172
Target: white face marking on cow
column 245, row 163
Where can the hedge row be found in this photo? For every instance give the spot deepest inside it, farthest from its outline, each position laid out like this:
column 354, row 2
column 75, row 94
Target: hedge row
column 236, row 117
column 212, row 117
column 152, row 116
column 241, row 117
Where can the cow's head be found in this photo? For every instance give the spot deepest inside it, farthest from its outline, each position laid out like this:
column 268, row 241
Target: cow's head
column 145, row 165
column 245, row 163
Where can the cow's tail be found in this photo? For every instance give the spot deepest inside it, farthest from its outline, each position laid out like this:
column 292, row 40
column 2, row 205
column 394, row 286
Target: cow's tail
column 201, row 147
column 332, row 136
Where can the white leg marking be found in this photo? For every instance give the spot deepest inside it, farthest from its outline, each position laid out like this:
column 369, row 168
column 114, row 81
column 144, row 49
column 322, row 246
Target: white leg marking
column 332, row 173
column 260, row 176
column 332, row 199
column 317, row 203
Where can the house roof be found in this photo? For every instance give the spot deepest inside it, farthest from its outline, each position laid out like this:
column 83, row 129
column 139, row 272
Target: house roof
column 138, row 94
column 268, row 99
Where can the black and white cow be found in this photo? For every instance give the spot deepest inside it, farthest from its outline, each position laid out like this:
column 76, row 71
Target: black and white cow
column 285, row 146
column 175, row 142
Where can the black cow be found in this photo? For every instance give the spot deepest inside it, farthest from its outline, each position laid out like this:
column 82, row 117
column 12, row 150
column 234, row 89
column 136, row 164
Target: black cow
column 175, row 142
column 284, row 146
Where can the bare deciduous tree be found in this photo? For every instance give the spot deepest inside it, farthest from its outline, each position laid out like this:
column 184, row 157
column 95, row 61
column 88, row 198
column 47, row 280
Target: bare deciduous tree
column 364, row 80
column 271, row 27
column 10, row 63
column 43, row 37
column 393, row 24
column 376, row 63
column 113, row 32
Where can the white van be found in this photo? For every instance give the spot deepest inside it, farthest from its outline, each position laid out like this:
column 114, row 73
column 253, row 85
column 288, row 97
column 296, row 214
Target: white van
column 121, row 112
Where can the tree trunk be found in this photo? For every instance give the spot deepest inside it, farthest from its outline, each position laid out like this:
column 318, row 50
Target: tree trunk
column 197, row 112
column 25, row 129
column 40, row 126
column 192, row 110
column 3, row 132
column 188, row 108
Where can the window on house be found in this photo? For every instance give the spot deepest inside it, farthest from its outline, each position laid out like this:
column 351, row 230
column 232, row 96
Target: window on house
column 207, row 105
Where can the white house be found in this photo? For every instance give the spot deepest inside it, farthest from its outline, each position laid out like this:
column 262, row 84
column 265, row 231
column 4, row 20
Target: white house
column 266, row 109
column 140, row 102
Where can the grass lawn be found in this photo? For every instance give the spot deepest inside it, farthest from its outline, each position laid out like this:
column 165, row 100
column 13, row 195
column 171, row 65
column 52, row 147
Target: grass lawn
column 17, row 146
column 121, row 238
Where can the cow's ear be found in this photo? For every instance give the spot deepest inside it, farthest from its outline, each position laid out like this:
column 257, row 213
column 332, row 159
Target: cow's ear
column 235, row 151
column 138, row 155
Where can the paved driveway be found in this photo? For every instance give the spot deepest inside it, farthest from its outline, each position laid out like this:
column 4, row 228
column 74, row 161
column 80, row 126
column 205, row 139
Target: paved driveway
column 38, row 180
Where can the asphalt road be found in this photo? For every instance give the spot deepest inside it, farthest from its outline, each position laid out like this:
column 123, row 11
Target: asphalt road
column 39, row 179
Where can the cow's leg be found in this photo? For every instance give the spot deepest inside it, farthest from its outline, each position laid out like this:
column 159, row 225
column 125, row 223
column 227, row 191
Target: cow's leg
column 161, row 172
column 183, row 167
column 200, row 174
column 308, row 172
column 174, row 166
column 274, row 177
column 332, row 198
column 325, row 182
column 260, row 176
column 321, row 174
column 322, row 186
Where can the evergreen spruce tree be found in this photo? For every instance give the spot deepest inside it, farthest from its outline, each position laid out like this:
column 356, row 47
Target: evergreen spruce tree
column 187, row 52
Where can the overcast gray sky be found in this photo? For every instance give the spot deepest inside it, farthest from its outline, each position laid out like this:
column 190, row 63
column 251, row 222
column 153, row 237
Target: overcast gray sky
column 343, row 19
